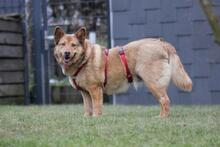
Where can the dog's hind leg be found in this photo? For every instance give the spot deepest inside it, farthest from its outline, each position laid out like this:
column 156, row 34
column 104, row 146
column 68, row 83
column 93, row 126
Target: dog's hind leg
column 165, row 105
column 156, row 77
column 162, row 97
column 87, row 103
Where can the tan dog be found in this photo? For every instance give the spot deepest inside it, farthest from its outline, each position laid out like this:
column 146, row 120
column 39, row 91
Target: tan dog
column 152, row 61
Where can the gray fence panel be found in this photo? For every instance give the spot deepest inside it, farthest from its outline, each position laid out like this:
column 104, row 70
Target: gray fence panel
column 183, row 24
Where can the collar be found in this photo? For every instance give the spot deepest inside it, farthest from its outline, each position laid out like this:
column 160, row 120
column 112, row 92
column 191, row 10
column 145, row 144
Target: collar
column 79, row 69
column 75, row 74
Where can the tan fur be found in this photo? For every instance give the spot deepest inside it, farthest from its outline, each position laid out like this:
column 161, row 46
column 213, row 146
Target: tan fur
column 179, row 76
column 154, row 61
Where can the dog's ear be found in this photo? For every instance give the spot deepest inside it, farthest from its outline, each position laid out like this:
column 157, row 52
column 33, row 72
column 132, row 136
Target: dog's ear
column 58, row 34
column 81, row 34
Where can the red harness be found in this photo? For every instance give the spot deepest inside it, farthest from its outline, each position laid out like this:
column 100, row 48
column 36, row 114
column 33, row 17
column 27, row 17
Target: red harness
column 106, row 66
column 80, row 68
column 123, row 60
column 75, row 74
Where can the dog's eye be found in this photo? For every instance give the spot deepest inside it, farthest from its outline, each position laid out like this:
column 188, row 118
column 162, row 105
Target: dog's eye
column 73, row 45
column 62, row 44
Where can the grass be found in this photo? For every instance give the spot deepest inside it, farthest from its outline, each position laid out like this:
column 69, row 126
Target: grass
column 65, row 126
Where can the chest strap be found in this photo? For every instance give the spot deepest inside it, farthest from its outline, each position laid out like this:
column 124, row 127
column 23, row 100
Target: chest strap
column 125, row 63
column 80, row 68
column 75, row 74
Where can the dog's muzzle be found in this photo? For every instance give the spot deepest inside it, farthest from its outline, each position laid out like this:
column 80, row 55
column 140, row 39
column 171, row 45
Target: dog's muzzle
column 66, row 55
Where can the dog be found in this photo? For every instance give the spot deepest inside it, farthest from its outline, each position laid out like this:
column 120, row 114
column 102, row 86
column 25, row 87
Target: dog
column 93, row 70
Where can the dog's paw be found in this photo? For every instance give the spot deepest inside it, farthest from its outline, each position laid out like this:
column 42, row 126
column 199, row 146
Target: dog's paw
column 96, row 115
column 163, row 116
column 87, row 115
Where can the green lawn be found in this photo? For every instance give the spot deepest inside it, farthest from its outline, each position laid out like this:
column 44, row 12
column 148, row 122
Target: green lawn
column 124, row 126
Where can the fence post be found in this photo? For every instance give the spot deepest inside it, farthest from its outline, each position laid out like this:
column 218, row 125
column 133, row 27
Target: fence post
column 46, row 52
column 39, row 62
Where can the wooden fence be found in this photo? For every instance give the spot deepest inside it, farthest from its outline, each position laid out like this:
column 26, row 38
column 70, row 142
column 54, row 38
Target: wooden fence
column 11, row 61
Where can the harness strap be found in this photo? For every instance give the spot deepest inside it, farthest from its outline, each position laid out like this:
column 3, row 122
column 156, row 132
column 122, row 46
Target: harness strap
column 75, row 74
column 125, row 63
column 106, row 66
column 76, row 85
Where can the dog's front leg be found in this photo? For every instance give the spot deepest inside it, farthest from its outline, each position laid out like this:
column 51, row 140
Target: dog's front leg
column 87, row 103
column 96, row 93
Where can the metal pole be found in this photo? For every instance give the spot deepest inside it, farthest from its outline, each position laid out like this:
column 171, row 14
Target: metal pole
column 108, row 2
column 37, row 52
column 46, row 52
column 111, row 39
column 111, row 23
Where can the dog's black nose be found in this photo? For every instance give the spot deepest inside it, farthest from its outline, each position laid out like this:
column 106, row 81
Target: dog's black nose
column 66, row 55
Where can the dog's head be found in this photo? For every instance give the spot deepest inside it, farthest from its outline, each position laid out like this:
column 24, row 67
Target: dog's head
column 69, row 48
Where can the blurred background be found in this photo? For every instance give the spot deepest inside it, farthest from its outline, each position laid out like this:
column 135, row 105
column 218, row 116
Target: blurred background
column 30, row 75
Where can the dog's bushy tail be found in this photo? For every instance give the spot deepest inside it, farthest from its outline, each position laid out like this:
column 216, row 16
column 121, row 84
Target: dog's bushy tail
column 179, row 76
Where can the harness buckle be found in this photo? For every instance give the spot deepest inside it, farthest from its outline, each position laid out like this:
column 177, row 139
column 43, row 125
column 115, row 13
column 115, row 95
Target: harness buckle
column 121, row 51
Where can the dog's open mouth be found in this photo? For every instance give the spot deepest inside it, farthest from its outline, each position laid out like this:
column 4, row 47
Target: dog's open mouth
column 67, row 60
